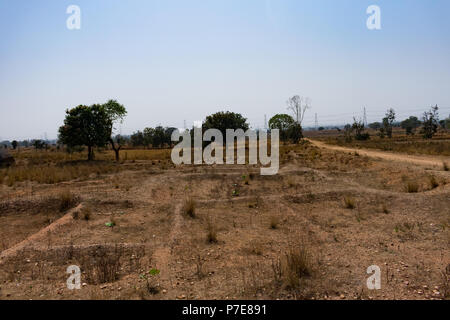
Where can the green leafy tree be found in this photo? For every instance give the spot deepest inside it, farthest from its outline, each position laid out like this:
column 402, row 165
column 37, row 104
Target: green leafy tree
column 158, row 137
column 168, row 135
column 348, row 130
column 38, row 144
column 358, row 128
column 88, row 126
column 282, row 122
column 295, row 132
column 430, row 122
column 225, row 120
column 410, row 124
column 375, row 125
column 137, row 139
column 115, row 114
column 388, row 122
column 149, row 134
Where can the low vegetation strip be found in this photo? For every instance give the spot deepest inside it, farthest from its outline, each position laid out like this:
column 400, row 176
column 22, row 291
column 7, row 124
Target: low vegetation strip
column 415, row 159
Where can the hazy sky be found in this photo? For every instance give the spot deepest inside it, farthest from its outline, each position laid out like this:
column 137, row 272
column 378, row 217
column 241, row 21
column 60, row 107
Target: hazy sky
column 169, row 61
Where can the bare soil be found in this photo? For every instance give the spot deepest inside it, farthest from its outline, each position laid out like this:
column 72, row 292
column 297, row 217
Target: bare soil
column 131, row 221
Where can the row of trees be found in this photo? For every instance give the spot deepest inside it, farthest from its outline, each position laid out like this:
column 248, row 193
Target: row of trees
column 37, row 144
column 154, row 137
column 93, row 126
column 429, row 125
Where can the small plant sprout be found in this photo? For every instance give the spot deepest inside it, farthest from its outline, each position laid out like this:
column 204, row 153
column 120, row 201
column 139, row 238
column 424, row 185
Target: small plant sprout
column 149, row 278
column 110, row 224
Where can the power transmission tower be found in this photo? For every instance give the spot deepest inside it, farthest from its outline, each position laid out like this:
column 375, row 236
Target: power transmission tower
column 316, row 122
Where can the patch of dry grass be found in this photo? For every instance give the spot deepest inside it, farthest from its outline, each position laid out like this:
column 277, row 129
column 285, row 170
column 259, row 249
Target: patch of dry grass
column 211, row 231
column 439, row 145
column 189, row 207
column 296, row 265
column 412, row 187
column 433, row 182
column 349, row 203
column 67, row 200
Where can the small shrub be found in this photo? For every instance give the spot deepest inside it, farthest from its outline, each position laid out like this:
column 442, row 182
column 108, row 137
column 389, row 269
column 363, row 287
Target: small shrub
column 445, row 166
column 349, row 203
column 110, row 224
column 152, row 288
column 412, row 187
column 297, row 264
column 385, row 209
column 189, row 207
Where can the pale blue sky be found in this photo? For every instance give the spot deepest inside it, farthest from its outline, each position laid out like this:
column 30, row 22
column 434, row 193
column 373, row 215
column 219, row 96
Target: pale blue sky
column 168, row 61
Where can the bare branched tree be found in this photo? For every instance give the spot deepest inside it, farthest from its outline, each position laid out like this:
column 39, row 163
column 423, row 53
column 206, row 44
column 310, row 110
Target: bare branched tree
column 298, row 106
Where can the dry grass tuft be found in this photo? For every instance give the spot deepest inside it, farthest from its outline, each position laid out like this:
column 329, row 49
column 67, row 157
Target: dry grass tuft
column 412, row 187
column 296, row 265
column 67, row 200
column 433, row 182
column 274, row 222
column 349, row 203
column 103, row 266
column 83, row 214
column 189, row 207
column 211, row 231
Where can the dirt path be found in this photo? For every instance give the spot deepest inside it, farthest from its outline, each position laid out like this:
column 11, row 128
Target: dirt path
column 64, row 220
column 421, row 160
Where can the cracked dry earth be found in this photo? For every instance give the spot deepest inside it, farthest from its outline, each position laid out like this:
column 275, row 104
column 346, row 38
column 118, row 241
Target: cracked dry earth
column 256, row 221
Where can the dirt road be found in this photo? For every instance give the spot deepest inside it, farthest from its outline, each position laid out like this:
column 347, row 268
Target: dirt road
column 423, row 160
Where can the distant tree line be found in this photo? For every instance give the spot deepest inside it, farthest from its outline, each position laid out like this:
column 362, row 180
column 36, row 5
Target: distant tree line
column 429, row 125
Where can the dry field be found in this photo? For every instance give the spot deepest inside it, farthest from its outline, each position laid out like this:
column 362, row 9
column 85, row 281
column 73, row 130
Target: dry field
column 224, row 232
column 400, row 142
